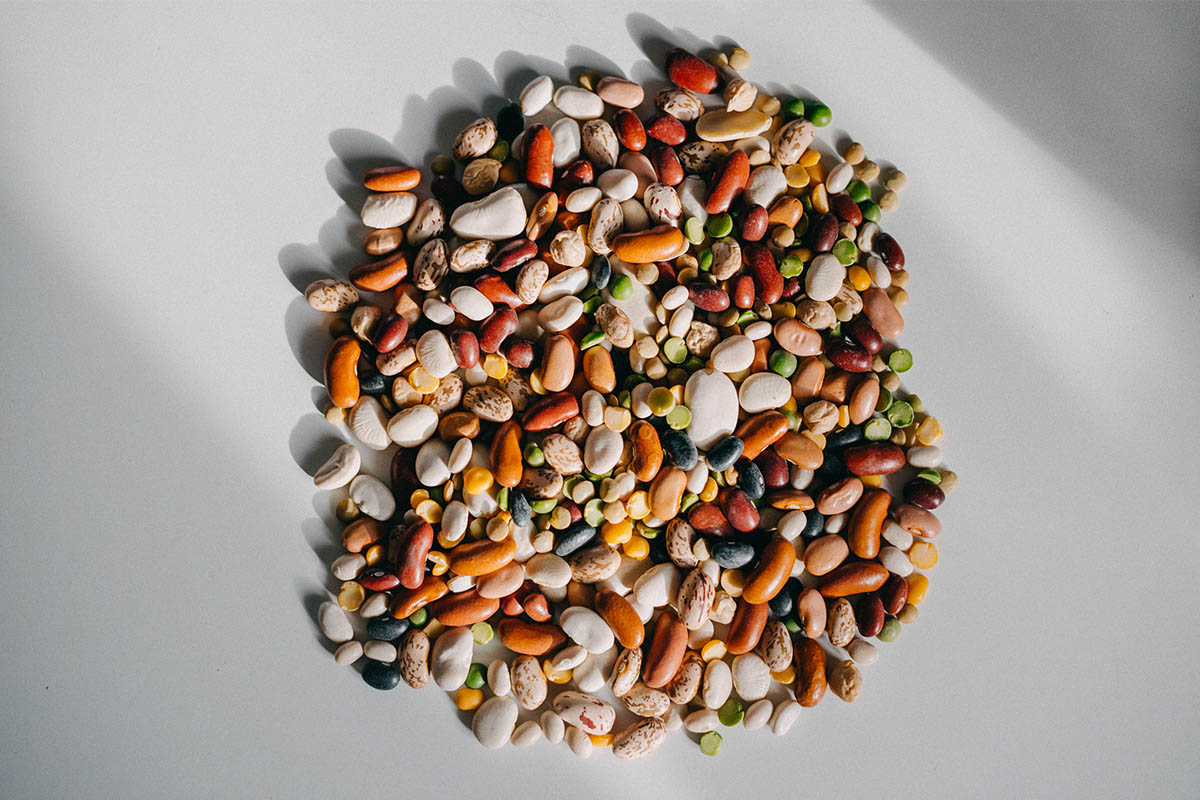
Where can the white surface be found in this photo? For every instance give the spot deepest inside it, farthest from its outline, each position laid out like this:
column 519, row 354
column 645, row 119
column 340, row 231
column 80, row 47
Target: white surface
column 166, row 183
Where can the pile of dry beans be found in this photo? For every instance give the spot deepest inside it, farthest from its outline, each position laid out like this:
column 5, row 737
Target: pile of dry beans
column 639, row 372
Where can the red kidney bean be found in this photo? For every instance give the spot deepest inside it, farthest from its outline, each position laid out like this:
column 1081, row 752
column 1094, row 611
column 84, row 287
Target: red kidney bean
column 709, row 519
column 378, row 580
column 739, row 510
column 666, row 164
column 403, row 472
column 768, row 282
column 889, row 250
column 578, row 173
column 666, row 277
column 846, row 209
column 894, row 594
column 666, row 129
column 822, row 233
column 754, row 223
column 511, row 606
column 415, row 544
column 390, row 333
column 708, row 297
column 849, row 357
column 513, row 254
column 876, row 458
column 870, row 616
column 518, row 352
column 743, row 291
column 495, row 289
column 630, row 131
column 862, row 331
column 537, row 607
column 691, row 72
column 774, row 469
column 728, row 181
column 921, row 492
column 495, row 329
column 791, row 288
column 465, row 348
column 572, row 510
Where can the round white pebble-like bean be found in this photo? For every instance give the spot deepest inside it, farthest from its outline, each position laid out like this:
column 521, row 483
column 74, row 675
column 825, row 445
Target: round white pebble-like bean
column 375, row 606
column 348, row 566
column 863, row 652
column 552, row 726
column 792, row 525
column 896, row 561
column 583, row 199
column 758, row 714
column 785, row 716
column 527, row 733
column 701, row 721
column 384, row 652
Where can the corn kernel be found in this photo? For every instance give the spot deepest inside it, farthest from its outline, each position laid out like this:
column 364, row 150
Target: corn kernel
column 430, row 511
column 874, row 481
column 809, row 158
column 417, row 497
column 929, row 431
column 860, row 279
column 555, row 675
column 477, row 479
column 712, row 650
column 617, row 533
column 636, row 548
column 918, row 585
column 351, row 595
column 468, row 699
column 785, row 675
column 374, row 554
column 535, row 382
column 709, row 492
column 439, row 561
column 733, row 581
column 601, row 739
column 923, row 555
column 496, row 366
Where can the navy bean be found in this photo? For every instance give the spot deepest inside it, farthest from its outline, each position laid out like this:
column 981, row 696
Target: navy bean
column 574, row 538
column 733, row 555
column 680, row 449
column 381, row 676
column 724, row 454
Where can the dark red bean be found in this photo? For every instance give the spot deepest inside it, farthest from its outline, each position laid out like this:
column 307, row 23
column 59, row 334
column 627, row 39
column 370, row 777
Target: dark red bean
column 449, row 192
column 496, row 328
column 889, row 250
column 923, row 493
column 709, row 519
column 378, row 580
column 823, row 233
column 390, row 333
column 894, row 594
column 708, row 297
column 578, row 173
column 791, row 288
column 846, row 209
column 739, row 510
column 862, row 331
column 870, row 616
column 743, row 291
column 518, row 352
column 630, row 131
column 774, row 469
column 768, row 282
column 847, row 356
column 513, row 254
column 465, row 347
column 754, row 223
column 666, row 129
column 876, row 458
column 666, row 164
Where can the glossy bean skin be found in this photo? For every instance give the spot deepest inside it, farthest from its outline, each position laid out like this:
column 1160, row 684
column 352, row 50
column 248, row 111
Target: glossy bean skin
column 866, row 523
column 772, row 573
column 809, row 659
column 747, row 626
column 341, row 371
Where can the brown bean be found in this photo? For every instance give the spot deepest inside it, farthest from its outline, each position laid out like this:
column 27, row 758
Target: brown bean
column 800, row 450
column 866, row 522
column 513, row 254
column 361, row 534
column 746, row 627
column 786, row 211
column 809, row 657
column 666, row 164
column 381, row 241
column 599, row 370
column 391, row 179
column 862, row 331
column 708, row 297
column 808, row 379
column 894, row 594
column 889, row 250
column 822, row 233
column 381, row 275
column 836, row 387
column 549, row 412
column 667, row 648
column 870, row 616
column 760, row 432
column 482, row 557
column 496, row 328
column 882, row 312
column 876, row 458
column 558, row 363
column 825, row 553
column 530, row 638
column 666, row 129
column 796, row 337
column 463, row 608
column 920, row 521
column 621, row 617
column 666, row 490
column 505, row 455
column 864, row 399
column 857, row 578
column 630, row 131
column 839, row 497
column 768, row 282
column 465, row 348
column 415, row 544
column 847, row 356
column 708, row 519
column 754, row 223
column 772, row 573
column 811, row 612
column 390, row 332
column 458, row 425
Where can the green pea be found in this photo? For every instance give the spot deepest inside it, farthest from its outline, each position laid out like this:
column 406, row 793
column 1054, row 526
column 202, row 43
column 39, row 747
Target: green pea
column 794, row 107
column 870, row 211
column 645, row 531
column 746, row 317
column 845, row 252
column 593, row 477
column 660, row 401
column 877, row 429
column 858, row 191
column 418, row 617
column 534, row 456
column 710, row 743
column 791, row 266
column 569, row 484
column 679, row 417
column 593, row 512
column 482, row 633
column 792, row 624
column 621, row 288
column 693, row 229
column 591, row 339
column 916, row 403
column 675, row 350
column 704, row 260
column 719, row 225
column 900, row 414
column 542, row 506
column 885, row 400
column 624, row 398
column 890, row 631
column 782, row 363
column 793, row 420
column 900, row 361
column 731, row 713
column 592, row 303
column 689, row 500
column 819, row 115
column 835, row 330
column 806, row 201
column 931, row 475
column 476, row 675
column 693, row 363
column 502, row 498
column 589, row 292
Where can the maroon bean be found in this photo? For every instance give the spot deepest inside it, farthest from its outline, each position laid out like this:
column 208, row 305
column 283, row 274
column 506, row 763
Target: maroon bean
column 666, row 277
column 708, row 297
column 889, row 250
column 743, row 291
column 870, row 616
column 578, row 173
column 768, row 282
column 846, row 209
column 791, row 288
column 390, row 333
column 849, row 357
column 876, row 458
column 774, row 469
column 496, row 328
column 518, row 352
column 465, row 348
column 709, row 519
column 666, row 164
column 377, row 579
column 894, row 594
column 921, row 492
column 513, row 254
column 822, row 233
column 862, row 331
column 666, row 129
column 754, row 223
column 739, row 510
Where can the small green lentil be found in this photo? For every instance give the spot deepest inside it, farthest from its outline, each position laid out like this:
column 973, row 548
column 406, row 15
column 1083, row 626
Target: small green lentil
column 890, row 631
column 534, row 456
column 819, row 115
column 877, row 429
column 870, row 211
column 885, row 400
column 679, row 417
column 782, row 363
column 482, row 633
column 675, row 350
column 621, row 288
column 900, row 414
column 931, row 475
column 845, row 252
column 731, row 712
column 710, row 743
column 693, row 229
column 476, row 673
column 624, row 399
column 858, row 191
column 645, row 531
column 791, row 266
column 719, row 225
column 704, row 260
column 916, row 403
column 900, row 361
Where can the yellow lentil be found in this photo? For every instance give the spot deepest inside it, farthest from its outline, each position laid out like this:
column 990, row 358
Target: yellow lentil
column 733, row 581
column 477, row 479
column 351, row 595
column 468, row 699
column 810, row 158
column 616, row 533
column 929, row 431
column 495, row 366
column 439, row 561
column 636, row 548
column 860, row 279
column 923, row 555
column 918, row 585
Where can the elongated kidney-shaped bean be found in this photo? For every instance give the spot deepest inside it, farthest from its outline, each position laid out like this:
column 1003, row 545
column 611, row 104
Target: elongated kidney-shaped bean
column 866, row 522
column 341, row 371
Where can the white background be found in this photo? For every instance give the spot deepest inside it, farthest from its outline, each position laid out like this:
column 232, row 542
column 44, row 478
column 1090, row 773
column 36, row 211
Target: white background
column 170, row 175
